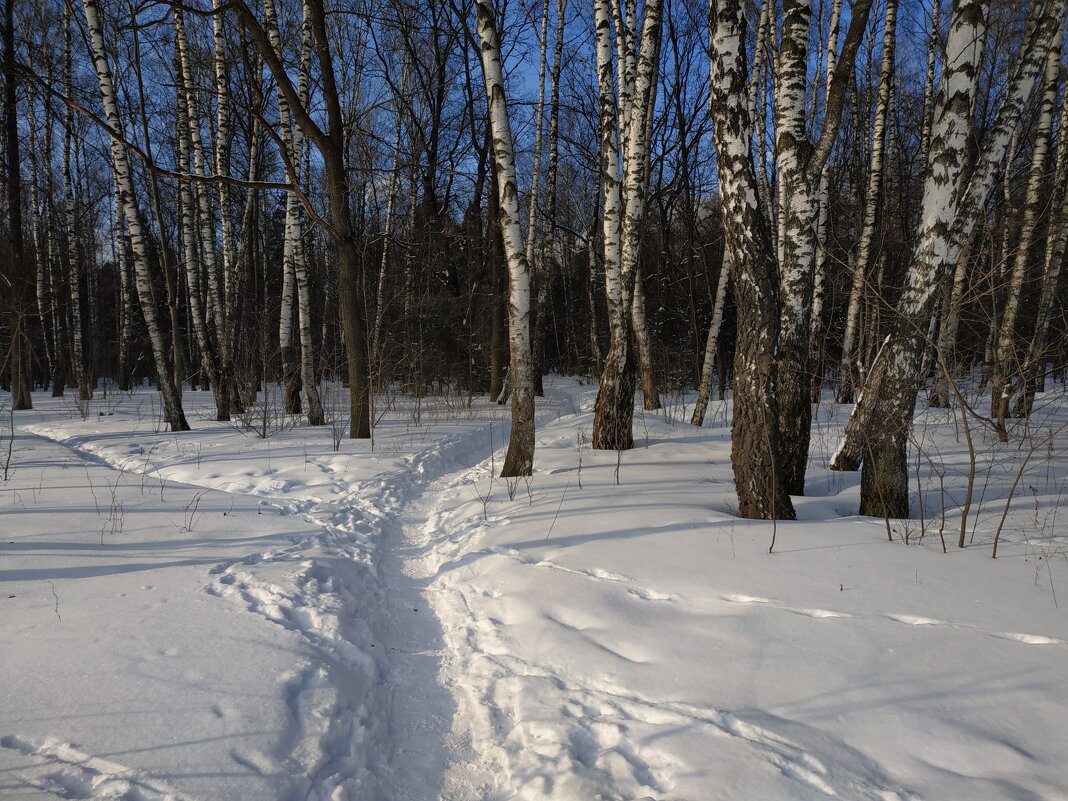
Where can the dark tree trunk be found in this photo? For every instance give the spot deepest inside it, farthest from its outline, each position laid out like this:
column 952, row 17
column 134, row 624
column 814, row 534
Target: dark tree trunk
column 21, row 291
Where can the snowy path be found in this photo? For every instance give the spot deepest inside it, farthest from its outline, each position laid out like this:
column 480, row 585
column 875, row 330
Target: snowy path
column 365, row 715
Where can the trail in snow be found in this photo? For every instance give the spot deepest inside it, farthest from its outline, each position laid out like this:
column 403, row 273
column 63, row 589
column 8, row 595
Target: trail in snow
column 64, row 771
column 368, row 718
column 603, row 741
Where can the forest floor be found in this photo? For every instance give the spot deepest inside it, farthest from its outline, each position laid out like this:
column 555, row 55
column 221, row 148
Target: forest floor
column 216, row 615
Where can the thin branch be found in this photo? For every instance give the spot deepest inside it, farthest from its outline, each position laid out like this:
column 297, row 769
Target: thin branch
column 193, row 177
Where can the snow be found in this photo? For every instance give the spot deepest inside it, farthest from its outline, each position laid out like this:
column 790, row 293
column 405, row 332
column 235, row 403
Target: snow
column 215, row 615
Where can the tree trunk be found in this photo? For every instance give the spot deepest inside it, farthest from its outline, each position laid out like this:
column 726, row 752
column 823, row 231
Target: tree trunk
column 71, row 260
column 519, row 460
column 878, row 428
column 848, row 374
column 1007, row 360
column 170, row 277
column 624, row 205
column 190, row 217
column 947, row 338
column 20, row 289
column 172, row 404
column 816, row 334
column 1053, row 258
column 537, row 271
column 754, row 431
column 704, row 388
column 928, row 84
column 800, row 164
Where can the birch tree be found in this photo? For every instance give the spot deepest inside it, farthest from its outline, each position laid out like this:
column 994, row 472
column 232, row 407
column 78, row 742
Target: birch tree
column 296, row 288
column 172, row 404
column 877, row 431
column 519, row 460
column 704, row 386
column 198, row 233
column 866, row 244
column 1053, row 259
column 624, row 123
column 800, row 165
column 537, row 270
column 550, row 240
column 15, row 278
column 754, row 429
column 819, row 278
column 1006, row 355
column 331, row 145
column 71, row 261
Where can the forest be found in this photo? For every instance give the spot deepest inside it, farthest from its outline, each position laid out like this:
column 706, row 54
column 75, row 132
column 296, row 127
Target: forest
column 854, row 197
column 616, row 400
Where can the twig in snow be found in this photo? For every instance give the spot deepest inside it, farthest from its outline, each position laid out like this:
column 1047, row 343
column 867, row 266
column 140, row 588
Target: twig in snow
column 558, row 507
column 56, row 608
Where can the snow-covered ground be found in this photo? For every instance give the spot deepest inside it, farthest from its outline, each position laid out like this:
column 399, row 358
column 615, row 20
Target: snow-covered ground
column 216, row 615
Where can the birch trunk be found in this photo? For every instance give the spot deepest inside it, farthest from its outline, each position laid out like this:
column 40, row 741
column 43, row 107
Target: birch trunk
column 55, row 299
column 643, row 345
column 816, row 336
column 316, row 414
column 758, row 90
column 929, row 82
column 623, row 215
column 122, row 261
column 39, row 234
column 612, row 430
column 947, row 337
column 230, row 281
column 192, row 214
column 591, row 296
column 71, row 260
column 387, row 228
column 519, row 460
column 800, row 163
column 877, row 431
column 849, row 374
column 639, row 322
column 1007, row 361
column 498, row 290
column 170, row 277
column 172, row 404
column 537, row 271
column 291, row 241
column 549, row 239
column 1053, row 258
column 754, row 430
column 704, row 387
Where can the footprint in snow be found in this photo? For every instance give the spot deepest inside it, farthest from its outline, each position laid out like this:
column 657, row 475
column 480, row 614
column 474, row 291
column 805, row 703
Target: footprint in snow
column 1026, row 639
column 916, row 620
column 1031, row 639
column 746, row 599
column 68, row 772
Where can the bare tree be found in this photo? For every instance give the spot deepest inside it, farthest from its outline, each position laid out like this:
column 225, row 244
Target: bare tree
column 754, row 431
column 172, row 404
column 331, row 145
column 800, row 165
column 624, row 123
column 519, row 461
column 1006, row 355
column 877, row 430
column 866, row 243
